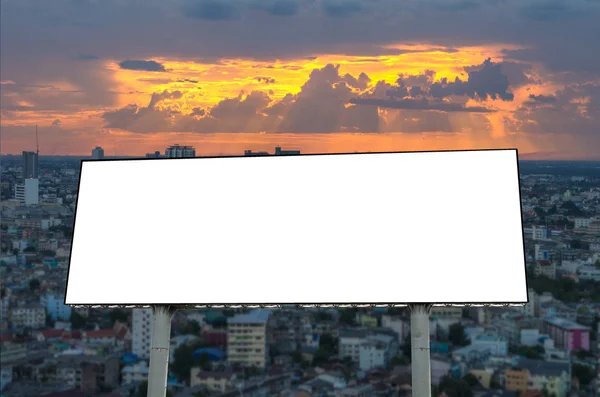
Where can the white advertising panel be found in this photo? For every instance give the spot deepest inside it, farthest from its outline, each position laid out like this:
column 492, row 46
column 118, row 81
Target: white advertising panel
column 373, row 228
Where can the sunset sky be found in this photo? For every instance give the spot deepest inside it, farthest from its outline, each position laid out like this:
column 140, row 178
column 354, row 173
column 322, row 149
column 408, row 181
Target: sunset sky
column 134, row 76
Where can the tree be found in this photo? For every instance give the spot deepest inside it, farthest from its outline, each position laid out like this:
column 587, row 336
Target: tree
column 532, row 352
column 77, row 320
column 328, row 344
column 407, row 348
column 457, row 336
column 322, row 317
column 399, row 360
column 118, row 315
column 455, row 387
column 34, row 285
column 191, row 328
column 348, row 316
column 184, row 359
column 30, row 249
column 584, row 373
column 471, row 380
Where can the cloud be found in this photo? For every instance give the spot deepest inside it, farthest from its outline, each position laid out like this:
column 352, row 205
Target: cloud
column 341, row 9
column 148, row 66
column 265, row 80
column 280, row 8
column 210, row 10
column 420, row 104
column 487, row 82
column 540, row 100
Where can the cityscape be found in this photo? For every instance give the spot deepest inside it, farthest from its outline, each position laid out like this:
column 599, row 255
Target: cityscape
column 86, row 82
column 549, row 347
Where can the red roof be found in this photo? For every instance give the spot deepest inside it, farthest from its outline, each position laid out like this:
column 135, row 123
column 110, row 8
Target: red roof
column 5, row 338
column 72, row 335
column 101, row 333
column 52, row 333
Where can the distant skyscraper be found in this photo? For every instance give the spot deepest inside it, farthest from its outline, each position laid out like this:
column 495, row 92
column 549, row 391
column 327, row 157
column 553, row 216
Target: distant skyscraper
column 177, row 151
column 30, row 165
column 97, row 153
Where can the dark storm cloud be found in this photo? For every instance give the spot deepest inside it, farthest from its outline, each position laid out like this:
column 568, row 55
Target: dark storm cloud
column 540, row 99
column 279, row 8
column 342, row 9
column 418, row 104
column 211, row 10
column 148, row 66
column 487, row 82
column 265, row 80
column 548, row 11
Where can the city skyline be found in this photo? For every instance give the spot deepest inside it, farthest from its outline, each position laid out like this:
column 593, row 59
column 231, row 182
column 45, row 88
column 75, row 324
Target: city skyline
column 316, row 76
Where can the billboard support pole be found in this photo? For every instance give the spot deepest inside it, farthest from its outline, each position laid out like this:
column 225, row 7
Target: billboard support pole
column 159, row 353
column 420, row 358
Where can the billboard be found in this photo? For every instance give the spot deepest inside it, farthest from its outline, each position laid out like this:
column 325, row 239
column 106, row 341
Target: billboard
column 326, row 229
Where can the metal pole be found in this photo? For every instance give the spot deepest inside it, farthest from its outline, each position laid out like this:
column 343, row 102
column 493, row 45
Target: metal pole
column 419, row 338
column 159, row 353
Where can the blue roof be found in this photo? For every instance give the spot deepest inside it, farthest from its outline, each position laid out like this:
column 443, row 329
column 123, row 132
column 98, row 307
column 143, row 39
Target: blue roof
column 213, row 354
column 256, row 316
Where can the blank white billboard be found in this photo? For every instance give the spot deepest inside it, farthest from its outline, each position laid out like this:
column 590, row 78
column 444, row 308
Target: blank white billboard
column 374, row 228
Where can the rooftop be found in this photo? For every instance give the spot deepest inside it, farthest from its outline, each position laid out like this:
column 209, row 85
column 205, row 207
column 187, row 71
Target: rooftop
column 565, row 324
column 256, row 316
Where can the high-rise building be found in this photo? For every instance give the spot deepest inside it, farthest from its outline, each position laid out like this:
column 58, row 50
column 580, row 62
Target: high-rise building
column 97, row 153
column 141, row 329
column 247, row 338
column 28, row 192
column 177, row 151
column 30, row 165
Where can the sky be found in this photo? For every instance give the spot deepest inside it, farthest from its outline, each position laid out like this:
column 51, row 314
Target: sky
column 321, row 76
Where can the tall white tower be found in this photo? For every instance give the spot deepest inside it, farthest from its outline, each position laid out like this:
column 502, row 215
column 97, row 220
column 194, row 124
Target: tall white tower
column 141, row 332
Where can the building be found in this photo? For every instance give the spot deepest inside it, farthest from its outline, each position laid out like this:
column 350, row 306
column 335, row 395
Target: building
column 516, row 379
column 90, row 374
column 567, row 334
column 97, row 153
column 177, row 151
column 215, row 381
column 540, row 233
column 56, row 308
column 588, row 273
column 247, row 336
column 30, row 316
column 375, row 352
column 141, row 329
column 155, row 155
column 28, row 192
column 549, row 376
column 30, row 168
column 137, row 372
column 545, row 268
column 278, row 152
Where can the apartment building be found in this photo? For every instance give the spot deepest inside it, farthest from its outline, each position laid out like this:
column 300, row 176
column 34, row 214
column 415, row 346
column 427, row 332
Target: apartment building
column 247, row 336
column 31, row 316
column 141, row 332
column 215, row 381
column 567, row 334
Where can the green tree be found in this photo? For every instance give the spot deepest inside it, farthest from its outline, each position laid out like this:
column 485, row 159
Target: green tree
column 584, row 373
column 348, row 316
column 328, row 344
column 399, row 360
column 457, row 336
column 532, row 352
column 118, row 315
column 471, row 380
column 191, row 328
column 34, row 285
column 322, row 316
column 29, row 249
column 184, row 359
column 455, row 387
column 407, row 347
column 77, row 320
